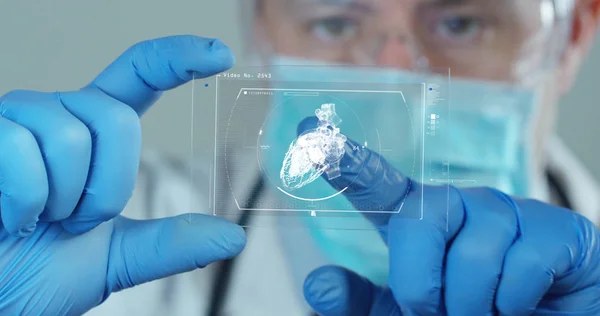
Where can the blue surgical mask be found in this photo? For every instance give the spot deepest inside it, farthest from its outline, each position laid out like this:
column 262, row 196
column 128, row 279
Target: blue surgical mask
column 486, row 144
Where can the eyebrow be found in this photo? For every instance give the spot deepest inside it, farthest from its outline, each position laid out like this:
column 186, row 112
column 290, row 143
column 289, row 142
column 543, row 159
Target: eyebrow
column 450, row 3
column 352, row 4
column 363, row 5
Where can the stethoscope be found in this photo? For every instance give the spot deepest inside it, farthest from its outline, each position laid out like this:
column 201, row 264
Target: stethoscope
column 224, row 273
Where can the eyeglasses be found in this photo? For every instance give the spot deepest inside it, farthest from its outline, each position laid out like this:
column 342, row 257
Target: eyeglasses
column 492, row 39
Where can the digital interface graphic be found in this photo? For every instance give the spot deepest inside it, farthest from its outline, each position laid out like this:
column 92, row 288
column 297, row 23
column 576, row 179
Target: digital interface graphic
column 257, row 116
column 315, row 151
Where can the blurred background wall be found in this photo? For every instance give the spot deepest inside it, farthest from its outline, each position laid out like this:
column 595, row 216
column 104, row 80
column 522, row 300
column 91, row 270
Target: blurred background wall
column 62, row 44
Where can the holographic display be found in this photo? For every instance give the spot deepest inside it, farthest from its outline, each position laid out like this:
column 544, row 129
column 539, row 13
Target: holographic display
column 257, row 142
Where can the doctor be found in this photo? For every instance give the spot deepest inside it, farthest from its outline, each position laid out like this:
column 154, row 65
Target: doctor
column 69, row 166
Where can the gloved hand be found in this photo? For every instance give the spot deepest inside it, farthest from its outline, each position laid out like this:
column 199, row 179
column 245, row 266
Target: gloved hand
column 68, row 165
column 475, row 252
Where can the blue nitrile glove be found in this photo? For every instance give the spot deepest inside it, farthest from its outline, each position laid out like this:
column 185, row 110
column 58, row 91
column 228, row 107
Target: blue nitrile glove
column 475, row 252
column 68, row 165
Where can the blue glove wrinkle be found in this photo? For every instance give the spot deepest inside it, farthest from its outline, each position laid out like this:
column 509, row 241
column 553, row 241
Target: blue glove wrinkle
column 583, row 302
column 583, row 260
column 17, row 275
column 589, row 244
column 119, row 275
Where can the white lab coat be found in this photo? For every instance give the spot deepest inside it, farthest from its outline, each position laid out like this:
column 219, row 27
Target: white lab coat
column 266, row 282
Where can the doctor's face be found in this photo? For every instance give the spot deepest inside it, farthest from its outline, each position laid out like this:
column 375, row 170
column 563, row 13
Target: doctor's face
column 486, row 39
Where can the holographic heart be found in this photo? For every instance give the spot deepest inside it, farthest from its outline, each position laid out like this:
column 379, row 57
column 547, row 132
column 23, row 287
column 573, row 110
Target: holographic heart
column 315, row 151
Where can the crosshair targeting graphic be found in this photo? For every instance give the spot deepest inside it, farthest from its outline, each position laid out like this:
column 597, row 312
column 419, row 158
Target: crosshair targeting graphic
column 316, row 151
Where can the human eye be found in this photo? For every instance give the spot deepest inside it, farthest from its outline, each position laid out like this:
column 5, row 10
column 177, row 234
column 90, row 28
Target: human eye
column 334, row 29
column 458, row 29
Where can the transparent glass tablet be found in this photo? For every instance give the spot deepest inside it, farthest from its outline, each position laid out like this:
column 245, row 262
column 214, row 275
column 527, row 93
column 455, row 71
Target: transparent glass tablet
column 165, row 167
column 266, row 163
